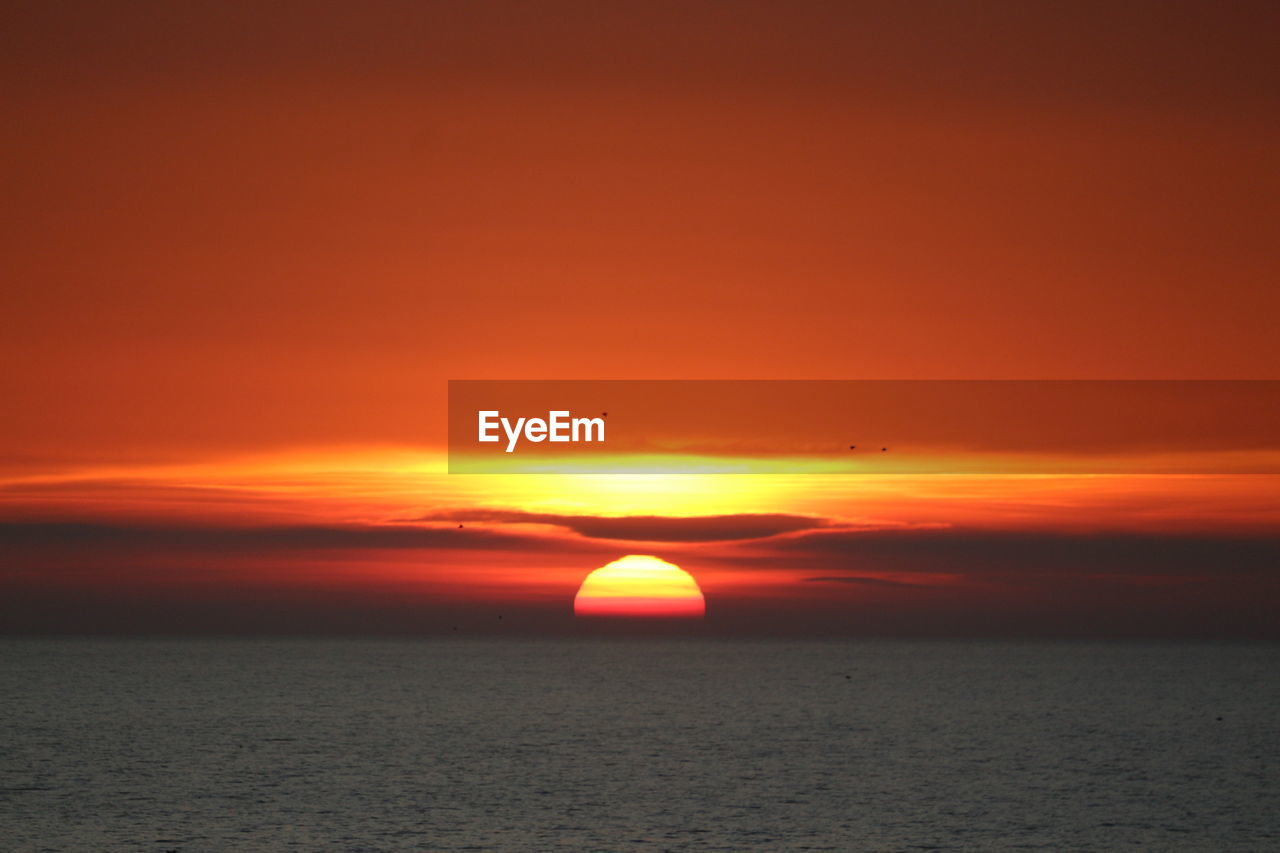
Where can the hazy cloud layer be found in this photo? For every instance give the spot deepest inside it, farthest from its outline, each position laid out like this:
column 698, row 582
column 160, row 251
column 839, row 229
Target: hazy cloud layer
column 975, row 552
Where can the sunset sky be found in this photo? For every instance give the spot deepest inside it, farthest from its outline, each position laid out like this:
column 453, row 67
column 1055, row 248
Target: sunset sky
column 247, row 245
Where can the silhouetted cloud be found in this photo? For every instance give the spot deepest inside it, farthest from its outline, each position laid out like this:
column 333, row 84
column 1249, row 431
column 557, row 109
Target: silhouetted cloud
column 856, row 579
column 648, row 528
column 302, row 537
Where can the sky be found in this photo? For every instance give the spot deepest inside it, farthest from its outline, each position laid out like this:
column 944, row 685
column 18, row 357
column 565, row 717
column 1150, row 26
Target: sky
column 245, row 248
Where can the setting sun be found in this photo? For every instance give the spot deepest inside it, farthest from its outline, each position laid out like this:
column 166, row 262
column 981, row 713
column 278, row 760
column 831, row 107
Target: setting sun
column 640, row 585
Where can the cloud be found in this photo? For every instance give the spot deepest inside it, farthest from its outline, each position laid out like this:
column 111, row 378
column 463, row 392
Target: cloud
column 649, row 528
column 301, row 537
column 978, row 552
column 494, row 531
column 855, row 579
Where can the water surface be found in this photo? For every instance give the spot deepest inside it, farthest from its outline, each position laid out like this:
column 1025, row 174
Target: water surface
column 370, row 745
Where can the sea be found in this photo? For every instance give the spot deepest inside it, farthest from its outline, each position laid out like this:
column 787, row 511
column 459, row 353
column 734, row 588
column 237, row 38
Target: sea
column 636, row 744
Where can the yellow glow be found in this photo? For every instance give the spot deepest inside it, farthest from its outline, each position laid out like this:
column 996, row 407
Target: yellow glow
column 387, row 485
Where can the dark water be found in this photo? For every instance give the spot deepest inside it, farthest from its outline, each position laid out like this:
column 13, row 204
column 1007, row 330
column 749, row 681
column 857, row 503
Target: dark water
column 220, row 745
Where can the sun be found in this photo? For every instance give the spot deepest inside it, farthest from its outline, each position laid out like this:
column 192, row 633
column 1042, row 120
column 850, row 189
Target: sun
column 638, row 585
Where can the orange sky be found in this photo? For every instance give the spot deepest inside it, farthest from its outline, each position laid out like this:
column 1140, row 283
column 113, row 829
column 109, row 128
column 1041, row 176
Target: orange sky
column 245, row 247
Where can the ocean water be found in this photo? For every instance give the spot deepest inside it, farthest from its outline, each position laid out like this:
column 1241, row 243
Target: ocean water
column 613, row 744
